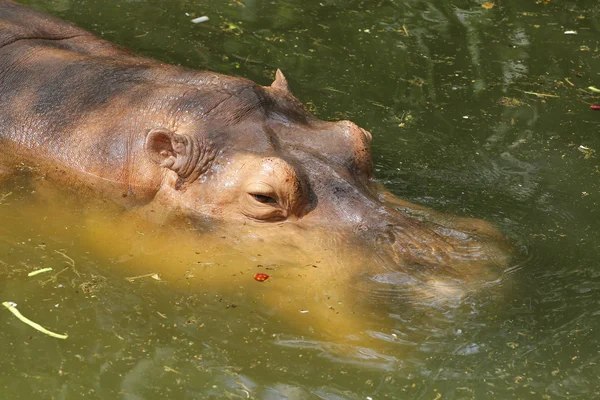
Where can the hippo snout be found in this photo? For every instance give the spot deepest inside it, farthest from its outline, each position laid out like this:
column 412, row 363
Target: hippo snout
column 457, row 250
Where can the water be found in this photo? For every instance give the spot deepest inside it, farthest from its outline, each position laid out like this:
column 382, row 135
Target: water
column 442, row 85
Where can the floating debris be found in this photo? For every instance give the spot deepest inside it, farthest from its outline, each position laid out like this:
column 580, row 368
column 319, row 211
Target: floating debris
column 570, row 32
column 594, row 89
column 39, row 271
column 587, row 152
column 3, row 196
column 12, row 307
column 261, row 277
column 405, row 30
column 152, row 275
column 510, row 102
column 70, row 262
column 541, row 94
column 169, row 369
column 488, row 4
column 200, row 19
column 92, row 286
column 230, row 27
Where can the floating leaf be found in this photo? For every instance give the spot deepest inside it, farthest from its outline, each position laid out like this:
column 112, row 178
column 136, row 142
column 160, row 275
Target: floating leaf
column 488, row 4
column 261, row 277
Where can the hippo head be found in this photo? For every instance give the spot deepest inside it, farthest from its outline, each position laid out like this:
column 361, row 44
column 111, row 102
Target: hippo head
column 252, row 158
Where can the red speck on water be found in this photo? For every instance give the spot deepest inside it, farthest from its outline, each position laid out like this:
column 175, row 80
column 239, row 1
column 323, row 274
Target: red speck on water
column 261, row 277
column 595, row 107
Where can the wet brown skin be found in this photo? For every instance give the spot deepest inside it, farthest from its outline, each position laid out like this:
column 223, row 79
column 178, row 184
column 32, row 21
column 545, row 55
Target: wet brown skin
column 161, row 139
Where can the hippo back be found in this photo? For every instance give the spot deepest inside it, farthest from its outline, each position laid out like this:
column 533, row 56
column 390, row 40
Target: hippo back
column 18, row 22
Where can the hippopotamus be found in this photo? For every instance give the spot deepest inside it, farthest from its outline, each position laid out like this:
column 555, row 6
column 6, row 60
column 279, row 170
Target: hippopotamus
column 220, row 151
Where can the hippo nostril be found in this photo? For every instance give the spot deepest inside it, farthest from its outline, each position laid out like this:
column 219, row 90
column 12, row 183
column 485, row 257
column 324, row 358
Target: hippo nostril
column 387, row 249
column 385, row 238
column 391, row 235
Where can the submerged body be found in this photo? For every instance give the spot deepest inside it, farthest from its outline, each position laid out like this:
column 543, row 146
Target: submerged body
column 221, row 154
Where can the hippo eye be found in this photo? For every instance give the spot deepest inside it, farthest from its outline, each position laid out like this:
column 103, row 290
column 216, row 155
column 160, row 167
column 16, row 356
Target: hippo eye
column 262, row 202
column 262, row 193
column 263, row 198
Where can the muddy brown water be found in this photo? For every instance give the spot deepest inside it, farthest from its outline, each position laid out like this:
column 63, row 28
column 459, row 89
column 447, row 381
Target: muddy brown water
column 479, row 112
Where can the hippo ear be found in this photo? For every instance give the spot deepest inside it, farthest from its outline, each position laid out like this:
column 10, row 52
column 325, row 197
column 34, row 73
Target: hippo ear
column 280, row 82
column 164, row 147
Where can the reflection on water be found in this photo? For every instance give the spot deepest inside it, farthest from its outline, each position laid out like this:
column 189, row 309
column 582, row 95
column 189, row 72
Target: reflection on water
column 155, row 298
column 442, row 85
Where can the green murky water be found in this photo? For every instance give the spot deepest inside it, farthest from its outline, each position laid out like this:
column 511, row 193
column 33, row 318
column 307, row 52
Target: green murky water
column 474, row 111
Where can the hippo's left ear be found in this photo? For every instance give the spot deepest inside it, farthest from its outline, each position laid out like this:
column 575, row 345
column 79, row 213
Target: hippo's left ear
column 166, row 148
column 186, row 155
column 280, row 82
column 163, row 146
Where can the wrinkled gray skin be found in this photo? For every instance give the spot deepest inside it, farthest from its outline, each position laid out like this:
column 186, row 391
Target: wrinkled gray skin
column 100, row 120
